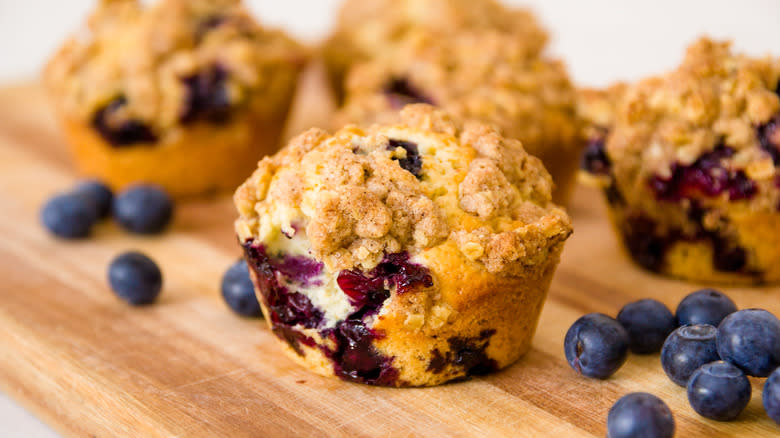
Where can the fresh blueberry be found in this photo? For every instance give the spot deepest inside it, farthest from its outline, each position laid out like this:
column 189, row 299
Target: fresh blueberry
column 719, row 391
column 238, row 291
column 648, row 323
column 686, row 349
column 750, row 339
column 596, row 345
column 771, row 396
column 705, row 306
column 97, row 193
column 69, row 216
column 135, row 278
column 143, row 209
column 640, row 415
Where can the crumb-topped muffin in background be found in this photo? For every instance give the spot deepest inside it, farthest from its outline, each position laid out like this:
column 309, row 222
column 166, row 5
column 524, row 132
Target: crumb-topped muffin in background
column 408, row 254
column 483, row 75
column 184, row 94
column 368, row 29
column 690, row 168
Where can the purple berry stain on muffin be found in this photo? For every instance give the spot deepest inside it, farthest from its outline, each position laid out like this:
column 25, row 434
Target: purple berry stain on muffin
column 704, row 177
column 355, row 357
column 285, row 306
column 467, row 353
column 595, row 159
column 118, row 130
column 413, row 161
column 353, row 353
column 400, row 92
column 769, row 137
column 648, row 244
column 207, row 97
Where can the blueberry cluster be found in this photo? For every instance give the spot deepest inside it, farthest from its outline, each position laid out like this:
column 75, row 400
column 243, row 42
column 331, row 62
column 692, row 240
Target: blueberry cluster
column 140, row 209
column 708, row 346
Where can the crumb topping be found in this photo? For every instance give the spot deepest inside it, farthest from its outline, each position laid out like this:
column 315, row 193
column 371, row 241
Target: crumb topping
column 159, row 66
column 484, row 75
column 356, row 202
column 371, row 26
column 715, row 99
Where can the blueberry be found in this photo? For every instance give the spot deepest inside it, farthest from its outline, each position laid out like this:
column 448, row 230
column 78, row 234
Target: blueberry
column 97, row 193
column 771, row 396
column 208, row 97
column 705, row 306
column 69, row 216
column 750, row 339
column 719, row 391
column 238, row 291
column 413, row 162
column 143, row 209
column 640, row 415
column 135, row 278
column 648, row 323
column 686, row 349
column 117, row 129
column 596, row 345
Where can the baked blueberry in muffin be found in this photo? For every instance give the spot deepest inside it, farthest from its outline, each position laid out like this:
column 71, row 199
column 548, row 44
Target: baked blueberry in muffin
column 184, row 94
column 689, row 165
column 404, row 254
column 484, row 75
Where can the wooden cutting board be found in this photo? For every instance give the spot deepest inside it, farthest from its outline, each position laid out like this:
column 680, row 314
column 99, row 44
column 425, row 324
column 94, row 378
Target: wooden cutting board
column 89, row 365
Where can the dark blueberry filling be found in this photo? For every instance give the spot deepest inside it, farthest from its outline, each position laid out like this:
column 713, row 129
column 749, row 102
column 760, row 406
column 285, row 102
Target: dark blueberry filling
column 707, row 177
column 120, row 132
column 354, row 356
column 467, row 354
column 401, row 92
column 648, row 244
column 285, row 306
column 207, row 97
column 595, row 159
column 769, row 137
column 413, row 161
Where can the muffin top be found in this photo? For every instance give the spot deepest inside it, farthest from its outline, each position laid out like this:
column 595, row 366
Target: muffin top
column 424, row 182
column 368, row 27
column 706, row 131
column 169, row 64
column 484, row 75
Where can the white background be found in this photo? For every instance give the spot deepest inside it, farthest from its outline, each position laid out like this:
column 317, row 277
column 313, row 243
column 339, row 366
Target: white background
column 601, row 40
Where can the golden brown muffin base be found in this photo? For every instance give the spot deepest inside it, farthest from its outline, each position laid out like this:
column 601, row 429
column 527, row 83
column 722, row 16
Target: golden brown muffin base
column 692, row 260
column 498, row 313
column 196, row 160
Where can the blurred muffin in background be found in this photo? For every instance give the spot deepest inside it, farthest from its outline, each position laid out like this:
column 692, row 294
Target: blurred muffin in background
column 185, row 94
column 490, row 76
column 690, row 168
column 368, row 29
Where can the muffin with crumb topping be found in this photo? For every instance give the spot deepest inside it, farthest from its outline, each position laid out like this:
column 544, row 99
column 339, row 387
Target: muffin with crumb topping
column 368, row 29
column 689, row 163
column 184, row 94
column 405, row 254
column 482, row 75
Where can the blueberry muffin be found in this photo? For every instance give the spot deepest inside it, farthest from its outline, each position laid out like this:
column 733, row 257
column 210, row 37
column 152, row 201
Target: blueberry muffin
column 184, row 94
column 690, row 168
column 402, row 255
column 482, row 75
column 368, row 29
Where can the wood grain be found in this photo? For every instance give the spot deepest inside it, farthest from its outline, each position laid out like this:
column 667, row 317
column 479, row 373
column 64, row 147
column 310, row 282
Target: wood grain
column 91, row 366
